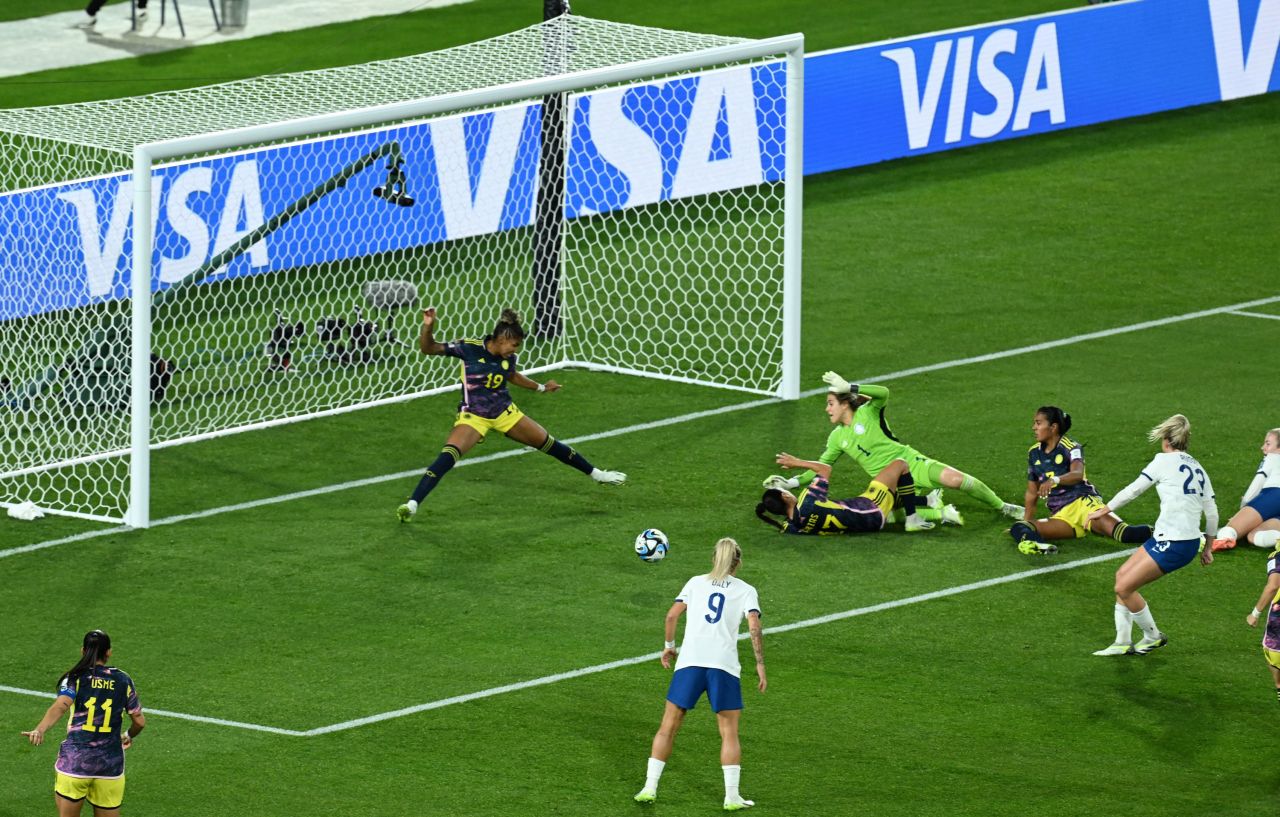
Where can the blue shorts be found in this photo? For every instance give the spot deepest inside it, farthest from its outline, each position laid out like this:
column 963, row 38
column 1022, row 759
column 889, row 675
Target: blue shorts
column 687, row 685
column 1266, row 503
column 1169, row 556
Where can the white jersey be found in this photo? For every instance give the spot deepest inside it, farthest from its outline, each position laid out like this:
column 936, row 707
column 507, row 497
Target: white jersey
column 1185, row 492
column 716, row 610
column 1268, row 476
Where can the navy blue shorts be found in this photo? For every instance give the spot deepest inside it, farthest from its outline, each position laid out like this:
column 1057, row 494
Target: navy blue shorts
column 687, row 685
column 1266, row 503
column 1169, row 556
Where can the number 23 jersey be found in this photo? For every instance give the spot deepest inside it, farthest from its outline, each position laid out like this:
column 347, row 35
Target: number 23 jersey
column 716, row 610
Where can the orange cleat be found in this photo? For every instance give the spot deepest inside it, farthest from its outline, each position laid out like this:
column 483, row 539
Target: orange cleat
column 1223, row 544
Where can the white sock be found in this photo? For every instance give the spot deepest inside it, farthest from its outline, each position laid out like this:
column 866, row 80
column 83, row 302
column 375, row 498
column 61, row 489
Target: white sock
column 1146, row 622
column 731, row 775
column 595, row 473
column 1266, row 538
column 1227, row 532
column 1124, row 625
column 655, row 772
column 413, row 506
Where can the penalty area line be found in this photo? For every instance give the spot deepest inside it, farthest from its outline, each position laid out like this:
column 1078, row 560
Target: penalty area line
column 669, row 421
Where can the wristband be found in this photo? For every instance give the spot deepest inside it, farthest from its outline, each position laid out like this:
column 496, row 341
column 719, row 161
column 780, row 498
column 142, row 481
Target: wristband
column 1256, row 614
column 668, row 645
column 542, row 387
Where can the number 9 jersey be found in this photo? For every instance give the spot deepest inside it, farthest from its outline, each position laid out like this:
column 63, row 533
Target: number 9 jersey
column 716, row 610
column 101, row 697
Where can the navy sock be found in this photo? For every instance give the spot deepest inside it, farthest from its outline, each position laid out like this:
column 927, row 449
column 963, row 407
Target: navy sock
column 447, row 458
column 906, row 494
column 1021, row 531
column 566, row 455
column 1131, row 534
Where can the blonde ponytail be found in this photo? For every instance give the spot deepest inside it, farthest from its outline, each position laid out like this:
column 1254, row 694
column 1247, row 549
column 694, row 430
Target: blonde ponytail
column 727, row 558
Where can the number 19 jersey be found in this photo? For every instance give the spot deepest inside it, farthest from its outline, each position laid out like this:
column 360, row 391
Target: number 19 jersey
column 716, row 610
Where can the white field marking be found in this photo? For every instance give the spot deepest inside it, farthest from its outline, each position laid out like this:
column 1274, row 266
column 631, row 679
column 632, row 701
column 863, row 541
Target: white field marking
column 198, row 718
column 625, row 662
column 1244, row 314
column 683, row 418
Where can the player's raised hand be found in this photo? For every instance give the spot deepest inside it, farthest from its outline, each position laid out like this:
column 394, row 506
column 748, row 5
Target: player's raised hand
column 551, row 385
column 787, row 461
column 429, row 317
column 837, row 384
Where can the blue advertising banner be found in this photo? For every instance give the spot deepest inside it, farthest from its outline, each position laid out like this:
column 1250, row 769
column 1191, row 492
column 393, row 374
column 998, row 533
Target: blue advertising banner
column 953, row 89
column 68, row 245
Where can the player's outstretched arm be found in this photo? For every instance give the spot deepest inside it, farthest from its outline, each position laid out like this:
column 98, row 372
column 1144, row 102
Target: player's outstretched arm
column 426, row 335
column 518, row 379
column 786, row 460
column 52, row 716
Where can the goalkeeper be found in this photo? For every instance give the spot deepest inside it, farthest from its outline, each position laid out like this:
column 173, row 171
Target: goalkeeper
column 862, row 432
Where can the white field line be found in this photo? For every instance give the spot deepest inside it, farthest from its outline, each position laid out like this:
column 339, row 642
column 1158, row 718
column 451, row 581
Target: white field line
column 1244, row 314
column 625, row 662
column 198, row 718
column 669, row 421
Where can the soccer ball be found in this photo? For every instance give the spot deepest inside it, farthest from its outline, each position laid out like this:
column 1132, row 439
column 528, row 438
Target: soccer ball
column 652, row 545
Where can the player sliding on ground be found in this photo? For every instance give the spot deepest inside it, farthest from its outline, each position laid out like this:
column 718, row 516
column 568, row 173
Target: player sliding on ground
column 1055, row 472
column 488, row 365
column 814, row 513
column 1185, row 492
column 862, row 433
column 1258, row 519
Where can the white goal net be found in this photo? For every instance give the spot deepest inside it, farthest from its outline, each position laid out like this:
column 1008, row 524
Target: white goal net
column 195, row 263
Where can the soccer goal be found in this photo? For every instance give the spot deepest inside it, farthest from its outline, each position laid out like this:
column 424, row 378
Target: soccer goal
column 203, row 262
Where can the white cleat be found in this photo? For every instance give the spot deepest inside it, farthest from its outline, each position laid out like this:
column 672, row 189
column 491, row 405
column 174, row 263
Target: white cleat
column 1012, row 511
column 951, row 515
column 934, row 498
column 780, row 483
column 608, row 477
column 737, row 804
column 1116, row 649
column 915, row 523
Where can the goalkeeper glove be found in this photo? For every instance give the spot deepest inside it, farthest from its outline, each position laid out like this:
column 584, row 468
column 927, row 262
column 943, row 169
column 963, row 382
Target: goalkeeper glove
column 777, row 483
column 838, row 385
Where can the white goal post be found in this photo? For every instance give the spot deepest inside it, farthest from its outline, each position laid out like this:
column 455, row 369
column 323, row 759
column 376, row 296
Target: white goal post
column 169, row 281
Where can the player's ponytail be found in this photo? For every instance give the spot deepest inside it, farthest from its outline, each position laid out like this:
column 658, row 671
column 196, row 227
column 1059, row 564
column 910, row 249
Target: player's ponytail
column 1055, row 416
column 726, row 560
column 96, row 645
column 1177, row 429
column 508, row 326
column 771, row 503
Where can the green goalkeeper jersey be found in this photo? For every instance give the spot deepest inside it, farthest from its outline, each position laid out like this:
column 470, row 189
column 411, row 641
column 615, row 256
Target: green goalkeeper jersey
column 868, row 440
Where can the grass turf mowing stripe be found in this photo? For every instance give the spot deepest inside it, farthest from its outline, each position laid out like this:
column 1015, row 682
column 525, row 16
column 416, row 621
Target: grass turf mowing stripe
column 682, row 418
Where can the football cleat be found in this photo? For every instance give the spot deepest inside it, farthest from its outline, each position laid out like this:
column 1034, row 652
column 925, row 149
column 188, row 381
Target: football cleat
column 404, row 513
column 737, row 804
column 608, row 477
column 1116, row 649
column 1223, row 544
column 1012, row 511
column 914, row 523
column 1030, row 547
column 780, row 483
column 933, row 499
column 646, row 796
column 1147, row 645
column 951, row 515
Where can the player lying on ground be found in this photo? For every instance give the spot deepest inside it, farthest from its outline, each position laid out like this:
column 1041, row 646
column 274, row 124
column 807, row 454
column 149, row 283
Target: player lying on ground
column 1268, row 610
column 1055, row 472
column 488, row 365
column 862, row 433
column 815, row 513
column 708, row 662
column 1185, row 492
column 1259, row 516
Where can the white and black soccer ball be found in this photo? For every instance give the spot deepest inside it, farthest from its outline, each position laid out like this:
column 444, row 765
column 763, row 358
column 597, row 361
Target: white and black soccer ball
column 652, row 545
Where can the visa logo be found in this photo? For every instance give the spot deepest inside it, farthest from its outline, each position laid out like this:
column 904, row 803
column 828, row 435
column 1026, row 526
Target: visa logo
column 1039, row 88
column 1241, row 74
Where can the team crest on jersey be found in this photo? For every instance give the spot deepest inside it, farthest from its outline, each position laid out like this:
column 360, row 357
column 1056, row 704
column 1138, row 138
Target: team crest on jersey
column 1058, row 459
column 505, row 364
column 859, row 428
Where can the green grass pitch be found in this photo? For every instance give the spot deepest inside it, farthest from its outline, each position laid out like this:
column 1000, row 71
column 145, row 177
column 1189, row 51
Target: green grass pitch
column 320, row 610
